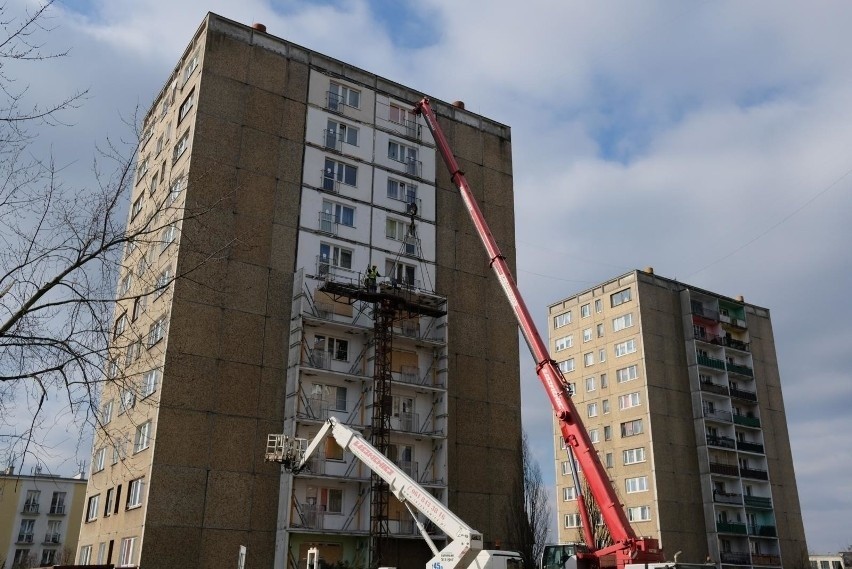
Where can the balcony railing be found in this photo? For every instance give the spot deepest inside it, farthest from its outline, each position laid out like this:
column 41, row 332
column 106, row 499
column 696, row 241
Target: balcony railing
column 409, row 467
column 327, row 223
column 51, row 538
column 758, row 502
column 729, row 342
column 727, row 498
column 711, row 387
column 711, row 362
column 312, row 517
column 30, row 508
column 740, row 369
column 718, row 414
column 724, row 442
column 57, row 510
column 758, row 559
column 750, row 447
column 407, row 128
column 335, row 102
column 754, row 473
column 409, row 422
column 332, row 140
column 747, row 421
column 409, row 374
column 731, row 527
column 762, row 531
column 25, row 538
column 735, row 558
column 725, row 469
column 743, row 394
column 329, row 182
column 705, row 312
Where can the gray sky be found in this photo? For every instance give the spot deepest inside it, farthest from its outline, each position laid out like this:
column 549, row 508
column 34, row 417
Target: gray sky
column 710, row 140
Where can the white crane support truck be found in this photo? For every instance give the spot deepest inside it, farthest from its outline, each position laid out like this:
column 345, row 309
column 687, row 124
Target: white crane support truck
column 465, row 543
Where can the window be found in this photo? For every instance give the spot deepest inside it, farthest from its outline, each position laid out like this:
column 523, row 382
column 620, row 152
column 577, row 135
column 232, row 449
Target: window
column 186, row 105
column 401, row 152
column 592, row 410
column 92, row 508
column 180, row 146
column 332, row 500
column 608, row 460
column 125, row 556
column 588, row 359
column 334, row 395
column 590, row 384
column 598, row 305
column 102, row 551
column 99, row 460
column 168, row 236
column 134, row 493
column 627, row 373
column 133, row 352
column 339, row 213
column 334, row 256
column 22, row 558
column 585, row 311
column 572, row 520
column 159, row 148
column 604, row 382
column 566, row 468
column 587, row 335
column 634, row 455
column 338, row 173
column 178, row 185
column 164, row 279
column 112, row 368
column 57, row 503
column 401, row 272
column 106, row 412
column 125, row 284
column 622, row 322
column 561, row 320
column 117, row 452
column 120, row 325
column 333, row 451
column 25, row 533
column 143, row 437
column 607, row 433
column 594, row 436
column 639, row 514
column 137, row 208
column 619, row 297
column 566, row 366
column 156, row 331
column 401, row 231
column 600, row 330
column 338, row 132
column 605, row 406
column 629, row 400
column 191, row 64
column 341, row 95
column 48, row 557
column 602, row 355
column 108, row 502
column 624, row 348
column 128, row 400
column 85, row 556
column 637, row 484
column 402, row 191
column 150, row 379
column 141, row 170
column 337, row 348
column 139, row 305
column 400, row 115
column 32, row 502
column 564, row 343
column 568, row 494
column 631, row 428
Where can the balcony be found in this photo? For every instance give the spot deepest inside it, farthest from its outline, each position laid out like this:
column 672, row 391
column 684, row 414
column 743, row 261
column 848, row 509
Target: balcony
column 711, row 362
column 746, row 446
column 705, row 312
column 758, row 502
column 30, row 508
column 409, row 422
column 311, row 517
column 762, row 531
column 409, row 375
column 743, row 394
column 755, row 473
column 327, row 223
column 747, row 421
column 723, row 442
column 409, row 467
column 731, row 527
column 724, row 469
column 25, row 538
column 729, row 342
column 727, row 498
column 758, row 559
column 329, row 183
column 716, row 388
column 718, row 414
column 735, row 558
column 740, row 369
column 413, row 167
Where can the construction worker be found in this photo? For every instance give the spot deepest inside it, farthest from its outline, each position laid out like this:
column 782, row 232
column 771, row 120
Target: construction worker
column 370, row 279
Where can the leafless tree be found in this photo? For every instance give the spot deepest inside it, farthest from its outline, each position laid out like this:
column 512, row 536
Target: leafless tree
column 529, row 517
column 63, row 251
column 601, row 533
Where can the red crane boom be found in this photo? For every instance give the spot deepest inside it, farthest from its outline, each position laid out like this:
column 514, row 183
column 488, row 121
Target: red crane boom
column 627, row 547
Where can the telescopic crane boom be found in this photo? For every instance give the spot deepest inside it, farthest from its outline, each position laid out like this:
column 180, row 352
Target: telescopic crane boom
column 627, row 547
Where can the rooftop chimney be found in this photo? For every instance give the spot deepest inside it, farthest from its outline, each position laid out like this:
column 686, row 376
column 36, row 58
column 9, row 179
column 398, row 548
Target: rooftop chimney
column 259, row 27
column 458, row 104
column 740, row 298
column 649, row 270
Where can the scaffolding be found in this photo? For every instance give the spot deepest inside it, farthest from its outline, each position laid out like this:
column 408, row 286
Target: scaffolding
column 392, row 301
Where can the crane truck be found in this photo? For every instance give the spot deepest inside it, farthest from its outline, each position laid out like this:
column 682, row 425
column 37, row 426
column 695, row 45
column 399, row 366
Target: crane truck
column 630, row 551
column 464, row 548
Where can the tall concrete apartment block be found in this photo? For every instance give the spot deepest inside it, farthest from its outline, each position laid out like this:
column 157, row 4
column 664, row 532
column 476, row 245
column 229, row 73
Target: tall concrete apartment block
column 680, row 390
column 279, row 175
